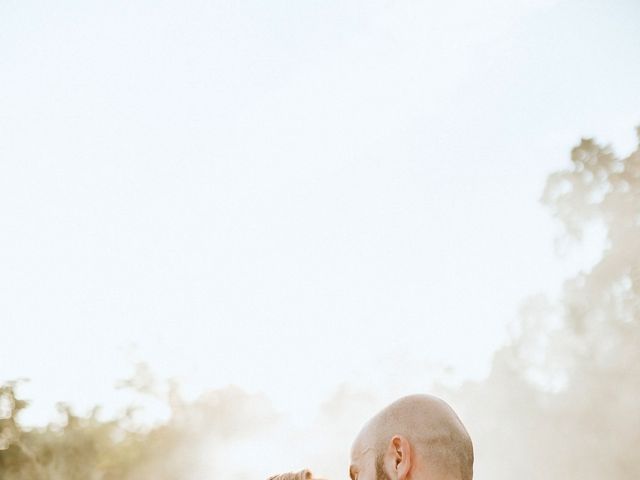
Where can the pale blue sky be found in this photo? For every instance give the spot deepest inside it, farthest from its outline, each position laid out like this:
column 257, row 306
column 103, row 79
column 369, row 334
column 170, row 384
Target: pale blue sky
column 288, row 195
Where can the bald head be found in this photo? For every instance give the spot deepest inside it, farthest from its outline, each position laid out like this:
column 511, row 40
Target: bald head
column 416, row 437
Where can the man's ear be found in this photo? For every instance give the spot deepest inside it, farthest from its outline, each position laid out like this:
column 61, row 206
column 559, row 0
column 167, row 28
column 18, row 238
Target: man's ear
column 401, row 454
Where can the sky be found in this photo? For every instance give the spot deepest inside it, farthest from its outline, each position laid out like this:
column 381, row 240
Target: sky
column 289, row 197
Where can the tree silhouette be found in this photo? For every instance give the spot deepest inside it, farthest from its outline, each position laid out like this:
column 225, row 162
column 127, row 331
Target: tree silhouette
column 563, row 398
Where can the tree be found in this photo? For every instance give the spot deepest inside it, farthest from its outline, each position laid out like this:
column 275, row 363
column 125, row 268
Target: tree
column 89, row 448
column 563, row 398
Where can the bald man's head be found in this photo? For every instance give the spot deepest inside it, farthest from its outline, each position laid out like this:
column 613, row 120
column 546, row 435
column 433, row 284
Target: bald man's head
column 416, row 437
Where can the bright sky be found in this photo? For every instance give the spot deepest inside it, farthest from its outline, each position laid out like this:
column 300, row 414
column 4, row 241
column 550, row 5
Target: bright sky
column 288, row 195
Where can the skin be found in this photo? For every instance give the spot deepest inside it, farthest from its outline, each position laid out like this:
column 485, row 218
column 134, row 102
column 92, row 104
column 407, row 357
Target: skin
column 415, row 438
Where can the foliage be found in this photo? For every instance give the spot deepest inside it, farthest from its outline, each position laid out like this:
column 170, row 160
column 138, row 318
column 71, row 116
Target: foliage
column 563, row 399
column 87, row 448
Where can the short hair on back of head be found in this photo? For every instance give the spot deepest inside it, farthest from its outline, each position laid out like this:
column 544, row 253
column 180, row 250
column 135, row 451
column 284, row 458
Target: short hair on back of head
column 434, row 430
